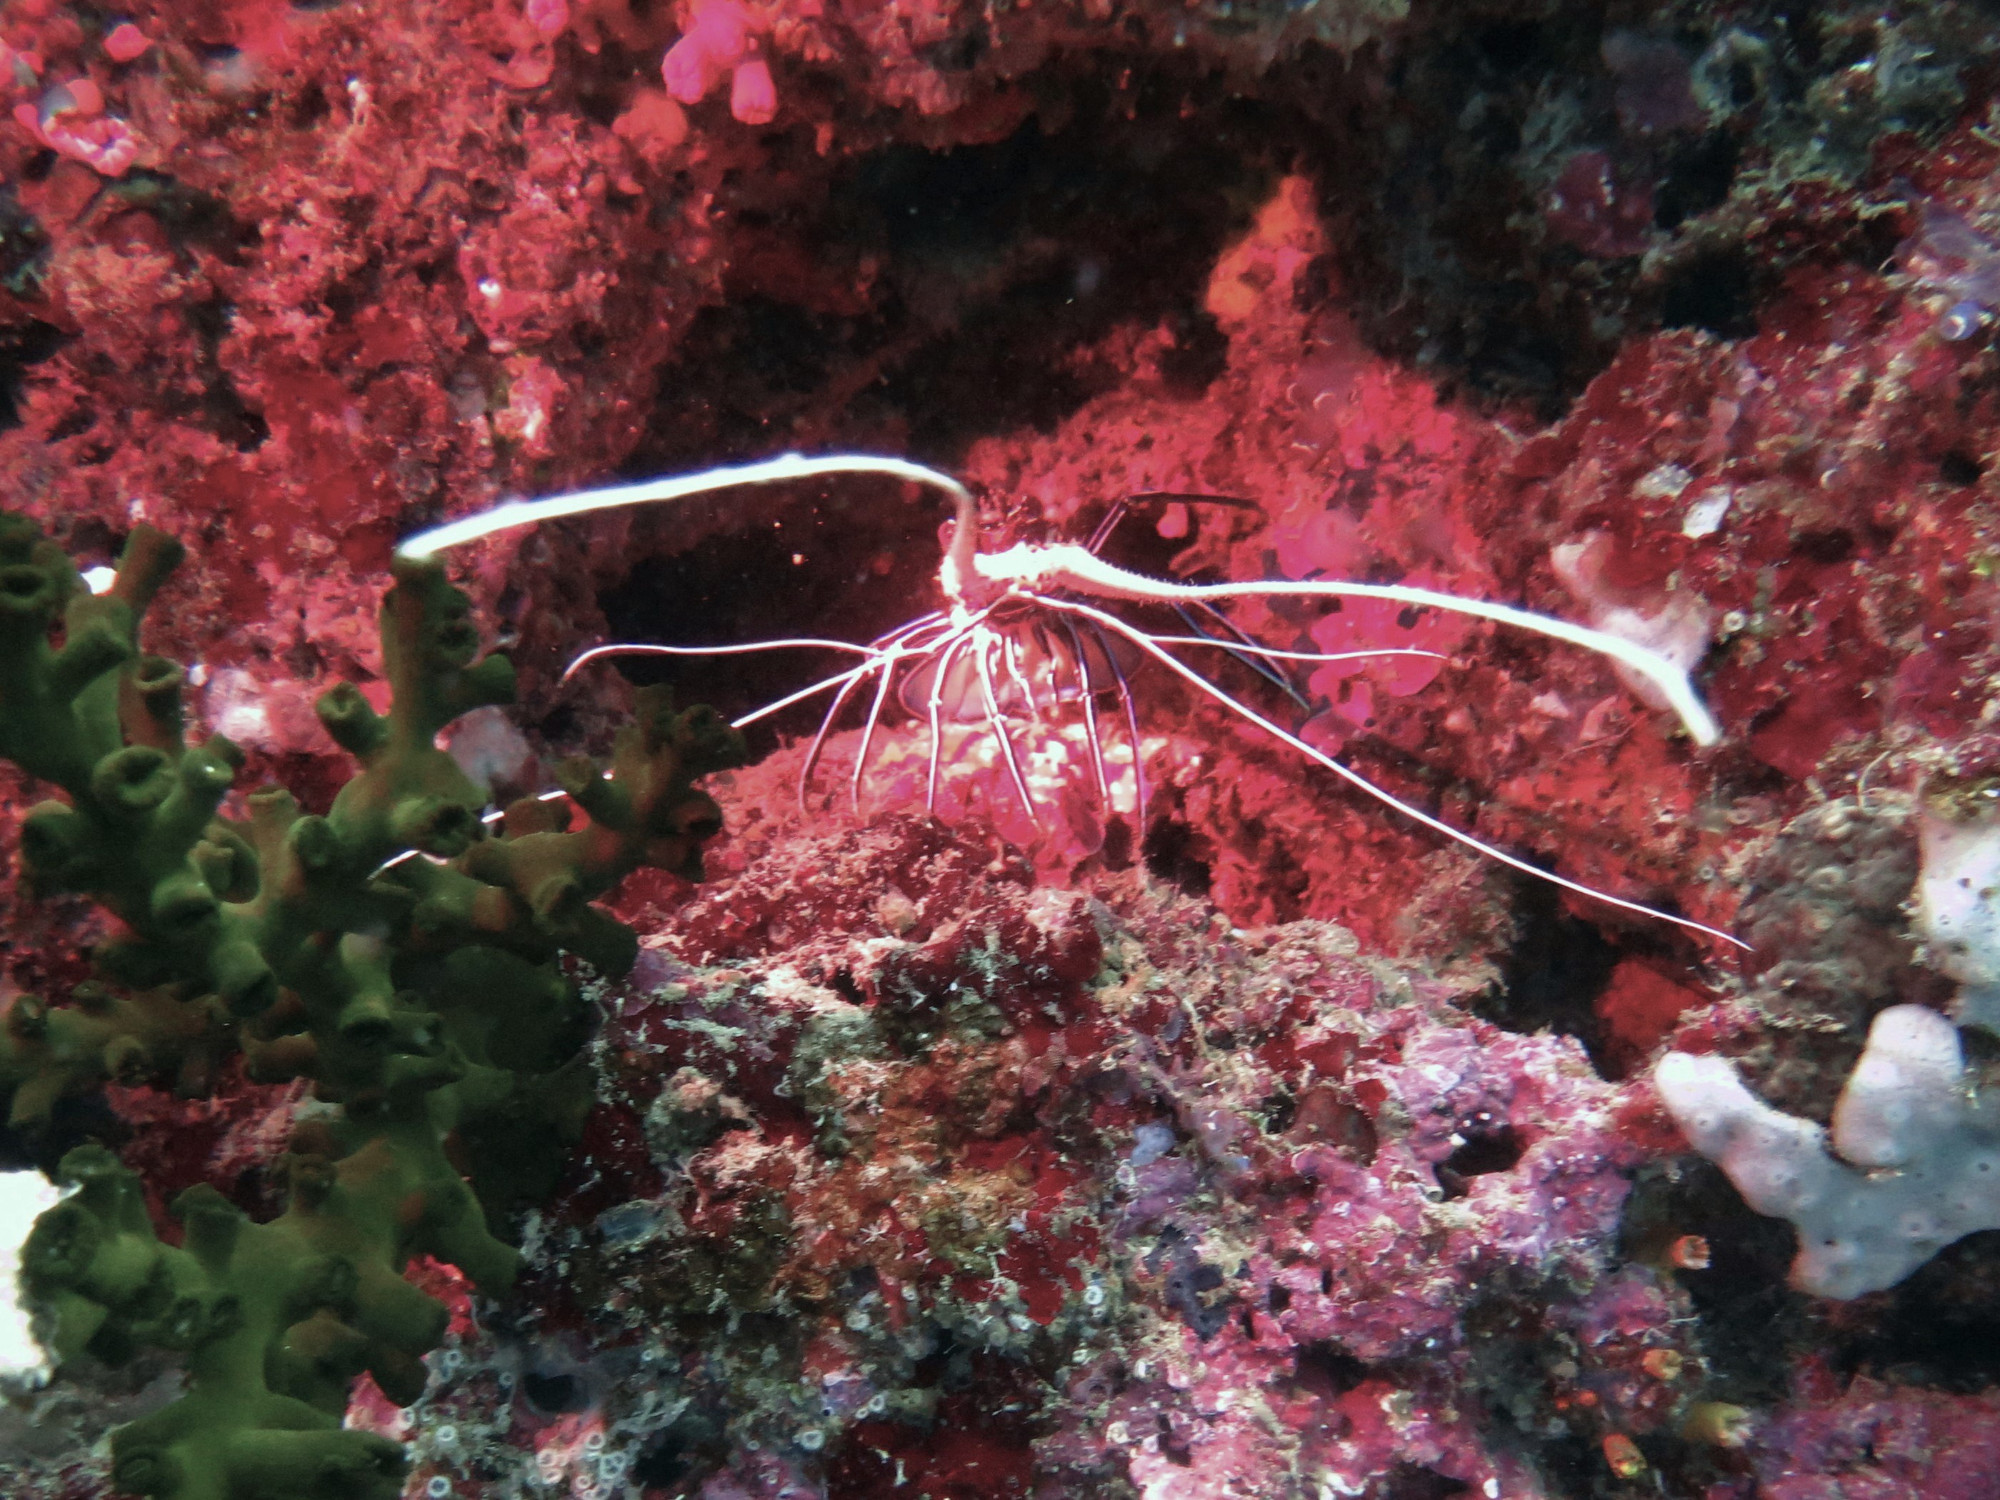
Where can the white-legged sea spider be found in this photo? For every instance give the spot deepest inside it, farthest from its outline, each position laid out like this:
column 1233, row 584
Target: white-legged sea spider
column 1026, row 626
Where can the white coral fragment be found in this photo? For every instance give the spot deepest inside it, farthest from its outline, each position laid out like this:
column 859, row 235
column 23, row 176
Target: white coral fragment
column 1917, row 1164
column 1676, row 626
column 1958, row 903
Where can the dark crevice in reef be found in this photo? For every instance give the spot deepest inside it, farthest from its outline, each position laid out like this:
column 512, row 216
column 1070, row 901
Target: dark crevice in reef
column 1448, row 257
column 1715, row 293
column 195, row 219
column 1524, row 1352
column 852, row 559
column 1558, row 966
column 1408, row 1481
column 1486, row 1149
column 73, row 1120
column 1061, row 238
column 1535, row 190
column 920, row 299
column 1322, row 1368
column 692, row 1446
column 1751, row 1322
column 1940, row 1327
column 1516, row 1352
column 1510, row 200
column 22, row 244
column 1171, row 853
column 22, row 346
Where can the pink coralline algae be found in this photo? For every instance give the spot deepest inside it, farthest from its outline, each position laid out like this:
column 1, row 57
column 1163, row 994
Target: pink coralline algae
column 1270, row 1147
column 1837, row 1439
column 1242, row 1140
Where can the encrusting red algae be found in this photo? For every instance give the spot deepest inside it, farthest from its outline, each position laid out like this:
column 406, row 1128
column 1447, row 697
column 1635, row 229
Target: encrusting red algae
column 1245, row 1138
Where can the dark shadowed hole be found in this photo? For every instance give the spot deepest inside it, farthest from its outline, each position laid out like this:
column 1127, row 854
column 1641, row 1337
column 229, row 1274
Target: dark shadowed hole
column 1941, row 1326
column 1698, row 178
column 1826, row 545
column 73, row 1120
column 554, row 1392
column 1198, row 355
column 689, row 1448
column 21, row 244
column 845, row 562
column 1750, row 1320
column 1494, row 1150
column 987, row 271
column 1510, row 47
column 1959, row 468
column 1326, row 1369
column 196, row 220
column 1409, row 1481
column 23, row 346
column 1715, row 293
column 1553, row 974
column 1170, row 856
column 1491, row 1150
column 367, row 1031
column 1278, row 1110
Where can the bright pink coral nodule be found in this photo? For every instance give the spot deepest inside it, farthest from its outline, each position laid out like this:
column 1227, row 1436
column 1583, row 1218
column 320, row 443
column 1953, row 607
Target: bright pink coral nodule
column 71, row 120
column 549, row 17
column 721, row 41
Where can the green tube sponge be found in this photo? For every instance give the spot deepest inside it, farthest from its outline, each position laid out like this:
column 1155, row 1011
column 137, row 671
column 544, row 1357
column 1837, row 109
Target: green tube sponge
column 391, row 952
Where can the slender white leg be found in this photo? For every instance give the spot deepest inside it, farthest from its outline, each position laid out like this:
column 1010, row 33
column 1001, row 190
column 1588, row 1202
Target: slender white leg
column 981, row 648
column 958, row 644
column 1087, row 686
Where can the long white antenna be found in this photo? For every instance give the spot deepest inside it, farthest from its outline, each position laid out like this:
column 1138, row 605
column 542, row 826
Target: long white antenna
column 511, row 513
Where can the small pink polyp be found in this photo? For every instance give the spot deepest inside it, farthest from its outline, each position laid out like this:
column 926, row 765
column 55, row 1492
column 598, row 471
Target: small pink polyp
column 753, row 97
column 125, row 42
column 549, row 17
column 70, row 119
column 720, row 42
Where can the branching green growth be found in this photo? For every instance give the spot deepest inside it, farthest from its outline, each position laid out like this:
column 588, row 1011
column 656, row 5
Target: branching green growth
column 390, row 951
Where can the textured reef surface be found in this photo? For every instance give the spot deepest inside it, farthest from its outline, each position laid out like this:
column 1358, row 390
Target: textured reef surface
column 746, row 1119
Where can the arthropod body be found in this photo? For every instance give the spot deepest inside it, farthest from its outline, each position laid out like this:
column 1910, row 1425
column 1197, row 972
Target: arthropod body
column 1036, row 625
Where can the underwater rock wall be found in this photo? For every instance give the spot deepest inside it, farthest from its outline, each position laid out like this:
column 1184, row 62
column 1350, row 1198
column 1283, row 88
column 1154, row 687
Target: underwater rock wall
column 1256, row 1137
